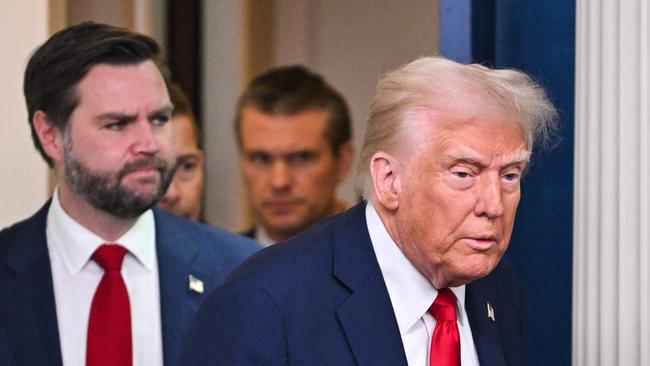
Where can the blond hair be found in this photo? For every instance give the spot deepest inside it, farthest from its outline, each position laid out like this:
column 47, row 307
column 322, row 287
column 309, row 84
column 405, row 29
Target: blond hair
column 432, row 82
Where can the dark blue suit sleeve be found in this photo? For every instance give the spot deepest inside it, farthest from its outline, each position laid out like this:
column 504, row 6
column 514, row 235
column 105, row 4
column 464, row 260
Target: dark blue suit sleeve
column 5, row 351
column 238, row 324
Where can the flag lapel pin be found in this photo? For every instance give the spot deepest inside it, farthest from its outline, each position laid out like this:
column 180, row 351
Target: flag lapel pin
column 195, row 284
column 490, row 312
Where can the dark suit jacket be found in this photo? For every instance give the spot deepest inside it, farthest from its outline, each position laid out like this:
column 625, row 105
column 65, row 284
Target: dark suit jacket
column 320, row 299
column 28, row 324
column 250, row 233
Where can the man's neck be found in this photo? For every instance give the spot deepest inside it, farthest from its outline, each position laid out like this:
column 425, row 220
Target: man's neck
column 101, row 223
column 335, row 207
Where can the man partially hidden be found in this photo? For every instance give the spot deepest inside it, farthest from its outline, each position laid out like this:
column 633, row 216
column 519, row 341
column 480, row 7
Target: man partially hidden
column 293, row 131
column 184, row 197
column 413, row 275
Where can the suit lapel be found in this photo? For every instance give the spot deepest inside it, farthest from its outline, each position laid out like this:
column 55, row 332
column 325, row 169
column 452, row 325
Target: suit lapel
column 484, row 330
column 367, row 317
column 30, row 311
column 176, row 251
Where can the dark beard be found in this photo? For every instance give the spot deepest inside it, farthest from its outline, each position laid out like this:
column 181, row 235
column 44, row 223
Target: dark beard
column 106, row 192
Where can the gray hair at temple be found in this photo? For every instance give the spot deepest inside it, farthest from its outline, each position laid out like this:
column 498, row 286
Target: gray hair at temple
column 433, row 83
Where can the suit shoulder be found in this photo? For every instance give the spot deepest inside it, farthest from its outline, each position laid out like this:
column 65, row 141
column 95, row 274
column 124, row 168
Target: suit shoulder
column 31, row 226
column 505, row 270
column 506, row 282
column 307, row 254
column 208, row 238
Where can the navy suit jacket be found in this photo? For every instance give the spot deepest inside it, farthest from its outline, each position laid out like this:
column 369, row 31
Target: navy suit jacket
column 28, row 324
column 320, row 299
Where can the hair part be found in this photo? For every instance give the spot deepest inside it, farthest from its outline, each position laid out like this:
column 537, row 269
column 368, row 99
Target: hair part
column 56, row 68
column 290, row 90
column 435, row 82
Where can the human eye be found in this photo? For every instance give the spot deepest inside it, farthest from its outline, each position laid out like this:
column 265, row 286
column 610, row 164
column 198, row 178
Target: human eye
column 160, row 119
column 115, row 125
column 461, row 177
column 188, row 164
column 511, row 178
column 461, row 174
column 301, row 158
column 259, row 158
column 186, row 167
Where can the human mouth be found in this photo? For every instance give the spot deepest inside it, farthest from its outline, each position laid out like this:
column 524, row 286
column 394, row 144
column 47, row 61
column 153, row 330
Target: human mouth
column 144, row 169
column 281, row 206
column 481, row 242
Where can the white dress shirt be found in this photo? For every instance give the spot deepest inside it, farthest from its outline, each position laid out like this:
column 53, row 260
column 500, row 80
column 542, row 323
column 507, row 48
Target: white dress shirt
column 262, row 237
column 411, row 295
column 76, row 277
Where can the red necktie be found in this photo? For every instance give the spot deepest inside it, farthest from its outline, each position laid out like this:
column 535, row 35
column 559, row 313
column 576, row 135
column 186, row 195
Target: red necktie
column 445, row 343
column 109, row 325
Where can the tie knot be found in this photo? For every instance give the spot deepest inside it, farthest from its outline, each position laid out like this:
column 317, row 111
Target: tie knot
column 444, row 307
column 110, row 256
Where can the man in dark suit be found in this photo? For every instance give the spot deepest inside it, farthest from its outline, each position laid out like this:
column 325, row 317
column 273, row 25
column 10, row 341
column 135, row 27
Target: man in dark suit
column 414, row 276
column 294, row 137
column 96, row 276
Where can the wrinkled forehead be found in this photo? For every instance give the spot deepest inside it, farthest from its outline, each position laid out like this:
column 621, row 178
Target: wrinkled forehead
column 453, row 123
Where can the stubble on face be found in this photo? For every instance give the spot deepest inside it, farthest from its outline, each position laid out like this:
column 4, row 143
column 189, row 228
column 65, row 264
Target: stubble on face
column 106, row 191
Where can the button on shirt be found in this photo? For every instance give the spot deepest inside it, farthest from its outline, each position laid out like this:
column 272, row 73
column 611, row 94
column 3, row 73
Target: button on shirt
column 411, row 295
column 76, row 277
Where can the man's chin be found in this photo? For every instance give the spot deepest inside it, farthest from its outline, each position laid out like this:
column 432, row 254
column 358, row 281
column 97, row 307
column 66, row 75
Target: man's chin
column 128, row 202
column 476, row 271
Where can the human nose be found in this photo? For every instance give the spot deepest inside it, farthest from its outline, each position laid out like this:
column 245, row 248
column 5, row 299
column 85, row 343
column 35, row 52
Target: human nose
column 172, row 195
column 280, row 175
column 145, row 139
column 489, row 198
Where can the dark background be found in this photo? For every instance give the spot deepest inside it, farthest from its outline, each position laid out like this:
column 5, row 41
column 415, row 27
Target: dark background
column 537, row 37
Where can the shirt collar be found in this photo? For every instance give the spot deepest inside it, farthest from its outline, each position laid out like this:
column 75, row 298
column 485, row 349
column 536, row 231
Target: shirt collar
column 76, row 244
column 411, row 293
column 262, row 237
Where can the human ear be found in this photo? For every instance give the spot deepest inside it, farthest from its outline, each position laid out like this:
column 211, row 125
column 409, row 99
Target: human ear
column 49, row 136
column 385, row 171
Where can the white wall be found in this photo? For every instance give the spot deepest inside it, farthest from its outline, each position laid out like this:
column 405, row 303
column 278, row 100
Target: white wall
column 23, row 177
column 222, row 82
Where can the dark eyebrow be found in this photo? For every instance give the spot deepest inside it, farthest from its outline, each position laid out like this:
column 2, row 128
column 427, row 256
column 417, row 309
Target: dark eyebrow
column 164, row 111
column 116, row 116
column 301, row 152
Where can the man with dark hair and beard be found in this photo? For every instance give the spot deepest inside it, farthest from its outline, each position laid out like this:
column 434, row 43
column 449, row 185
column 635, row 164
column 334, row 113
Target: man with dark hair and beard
column 98, row 276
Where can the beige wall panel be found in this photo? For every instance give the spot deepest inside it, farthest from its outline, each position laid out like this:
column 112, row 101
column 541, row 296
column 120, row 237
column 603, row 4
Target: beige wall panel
column 23, row 178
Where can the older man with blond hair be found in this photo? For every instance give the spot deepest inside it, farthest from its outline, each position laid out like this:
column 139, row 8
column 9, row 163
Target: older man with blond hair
column 415, row 274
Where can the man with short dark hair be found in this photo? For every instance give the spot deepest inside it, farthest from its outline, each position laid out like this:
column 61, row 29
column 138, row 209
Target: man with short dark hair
column 184, row 197
column 413, row 276
column 97, row 276
column 293, row 131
